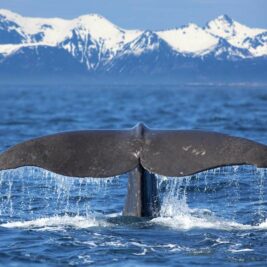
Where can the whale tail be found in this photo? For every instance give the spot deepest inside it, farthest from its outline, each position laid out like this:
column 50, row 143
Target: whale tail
column 140, row 151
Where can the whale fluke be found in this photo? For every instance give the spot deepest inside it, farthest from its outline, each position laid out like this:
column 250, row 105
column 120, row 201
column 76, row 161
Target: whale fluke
column 106, row 153
column 182, row 153
column 140, row 150
column 77, row 154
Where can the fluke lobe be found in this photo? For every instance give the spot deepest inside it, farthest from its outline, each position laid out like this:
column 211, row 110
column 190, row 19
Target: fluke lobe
column 140, row 151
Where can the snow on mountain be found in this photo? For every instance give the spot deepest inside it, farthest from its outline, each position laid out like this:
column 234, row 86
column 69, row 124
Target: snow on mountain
column 8, row 49
column 223, row 50
column 104, row 32
column 84, row 31
column 93, row 39
column 10, row 31
column 98, row 45
column 146, row 50
column 189, row 39
column 50, row 30
column 234, row 32
column 257, row 45
column 56, row 29
column 93, row 34
column 147, row 41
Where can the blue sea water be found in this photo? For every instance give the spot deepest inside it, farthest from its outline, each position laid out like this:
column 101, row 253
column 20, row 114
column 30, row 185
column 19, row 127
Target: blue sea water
column 218, row 217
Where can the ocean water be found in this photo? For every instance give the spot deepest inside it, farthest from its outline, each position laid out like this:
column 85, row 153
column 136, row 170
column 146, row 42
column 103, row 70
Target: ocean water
column 217, row 217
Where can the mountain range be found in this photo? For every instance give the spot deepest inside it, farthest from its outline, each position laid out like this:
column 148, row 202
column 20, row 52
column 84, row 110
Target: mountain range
column 92, row 47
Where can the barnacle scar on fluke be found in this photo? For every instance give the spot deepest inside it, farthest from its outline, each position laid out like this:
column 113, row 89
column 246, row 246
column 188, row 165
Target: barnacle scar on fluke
column 140, row 151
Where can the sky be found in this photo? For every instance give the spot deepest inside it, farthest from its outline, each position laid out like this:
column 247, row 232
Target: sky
column 146, row 14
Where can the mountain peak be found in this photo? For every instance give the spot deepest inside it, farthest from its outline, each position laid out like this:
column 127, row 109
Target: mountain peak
column 221, row 22
column 93, row 32
column 225, row 18
column 225, row 51
column 190, row 25
column 233, row 31
column 146, row 39
column 146, row 42
column 97, row 23
column 92, row 16
column 149, row 33
column 222, row 26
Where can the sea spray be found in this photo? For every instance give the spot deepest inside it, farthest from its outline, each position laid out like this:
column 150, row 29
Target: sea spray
column 197, row 200
column 30, row 193
column 261, row 174
column 173, row 195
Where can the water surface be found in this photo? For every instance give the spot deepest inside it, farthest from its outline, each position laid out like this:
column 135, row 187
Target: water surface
column 216, row 217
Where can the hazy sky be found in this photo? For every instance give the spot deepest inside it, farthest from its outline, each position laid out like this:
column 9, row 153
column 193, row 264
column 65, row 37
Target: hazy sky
column 146, row 14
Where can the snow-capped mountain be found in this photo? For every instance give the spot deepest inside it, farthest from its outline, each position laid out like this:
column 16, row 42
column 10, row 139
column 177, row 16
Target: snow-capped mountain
column 147, row 50
column 92, row 44
column 234, row 32
column 94, row 40
column 86, row 36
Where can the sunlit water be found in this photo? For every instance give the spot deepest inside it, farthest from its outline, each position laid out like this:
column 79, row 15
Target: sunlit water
column 215, row 217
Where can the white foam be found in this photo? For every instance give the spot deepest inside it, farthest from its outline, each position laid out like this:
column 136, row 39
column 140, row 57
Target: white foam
column 241, row 250
column 143, row 253
column 58, row 223
column 188, row 222
column 263, row 225
column 179, row 222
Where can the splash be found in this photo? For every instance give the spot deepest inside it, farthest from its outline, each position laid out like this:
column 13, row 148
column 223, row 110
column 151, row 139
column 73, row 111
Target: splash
column 30, row 193
column 191, row 221
column 229, row 198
